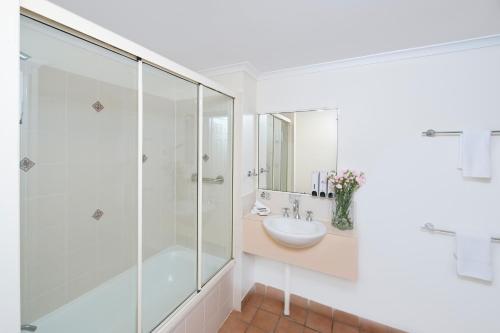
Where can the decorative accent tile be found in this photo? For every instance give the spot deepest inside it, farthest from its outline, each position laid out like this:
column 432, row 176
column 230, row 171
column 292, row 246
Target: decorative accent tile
column 26, row 164
column 144, row 158
column 98, row 106
column 98, row 214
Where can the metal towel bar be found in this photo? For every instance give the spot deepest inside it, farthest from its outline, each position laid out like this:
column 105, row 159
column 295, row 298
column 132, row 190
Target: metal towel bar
column 429, row 227
column 432, row 133
column 217, row 180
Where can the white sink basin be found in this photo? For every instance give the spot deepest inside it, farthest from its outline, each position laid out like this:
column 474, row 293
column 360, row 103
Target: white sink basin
column 294, row 233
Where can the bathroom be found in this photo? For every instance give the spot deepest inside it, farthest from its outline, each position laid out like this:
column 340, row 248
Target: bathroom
column 106, row 125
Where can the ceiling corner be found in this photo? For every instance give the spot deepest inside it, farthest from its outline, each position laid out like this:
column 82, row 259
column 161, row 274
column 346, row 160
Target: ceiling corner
column 244, row 66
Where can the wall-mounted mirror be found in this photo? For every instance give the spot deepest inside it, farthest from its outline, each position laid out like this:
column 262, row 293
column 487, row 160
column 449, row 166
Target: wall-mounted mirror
column 295, row 149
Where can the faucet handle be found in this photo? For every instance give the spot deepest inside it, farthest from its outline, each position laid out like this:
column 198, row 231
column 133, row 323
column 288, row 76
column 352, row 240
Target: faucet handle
column 286, row 212
column 309, row 215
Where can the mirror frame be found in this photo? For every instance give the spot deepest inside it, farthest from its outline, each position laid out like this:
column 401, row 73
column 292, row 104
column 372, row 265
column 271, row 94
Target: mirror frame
column 257, row 172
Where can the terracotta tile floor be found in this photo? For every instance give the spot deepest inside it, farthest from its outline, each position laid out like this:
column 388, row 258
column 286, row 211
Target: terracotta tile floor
column 262, row 314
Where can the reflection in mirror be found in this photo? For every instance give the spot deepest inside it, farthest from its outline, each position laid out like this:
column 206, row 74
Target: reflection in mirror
column 295, row 149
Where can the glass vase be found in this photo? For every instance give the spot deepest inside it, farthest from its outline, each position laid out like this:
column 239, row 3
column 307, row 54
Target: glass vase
column 342, row 214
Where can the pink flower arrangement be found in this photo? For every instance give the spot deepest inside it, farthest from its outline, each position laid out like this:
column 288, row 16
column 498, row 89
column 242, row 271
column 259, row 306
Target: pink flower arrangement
column 347, row 180
column 345, row 183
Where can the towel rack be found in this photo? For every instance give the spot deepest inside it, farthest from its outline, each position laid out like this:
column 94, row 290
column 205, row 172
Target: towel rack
column 216, row 180
column 431, row 133
column 429, row 227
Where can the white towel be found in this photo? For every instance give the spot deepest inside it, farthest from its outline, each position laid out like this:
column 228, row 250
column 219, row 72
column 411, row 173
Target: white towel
column 474, row 156
column 260, row 209
column 474, row 256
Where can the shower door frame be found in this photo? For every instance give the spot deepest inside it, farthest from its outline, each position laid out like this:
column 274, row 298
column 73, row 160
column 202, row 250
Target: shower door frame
column 61, row 19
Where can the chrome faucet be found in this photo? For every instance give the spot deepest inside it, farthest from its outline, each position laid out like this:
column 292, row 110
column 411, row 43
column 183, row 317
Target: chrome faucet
column 296, row 209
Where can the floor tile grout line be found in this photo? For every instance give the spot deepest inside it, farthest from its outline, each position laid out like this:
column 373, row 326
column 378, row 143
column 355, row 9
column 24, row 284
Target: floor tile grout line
column 281, row 315
column 259, row 307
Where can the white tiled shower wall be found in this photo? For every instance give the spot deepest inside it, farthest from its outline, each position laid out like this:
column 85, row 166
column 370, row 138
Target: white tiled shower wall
column 169, row 217
column 84, row 161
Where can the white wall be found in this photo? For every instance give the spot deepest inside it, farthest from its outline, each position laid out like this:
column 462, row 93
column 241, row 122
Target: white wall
column 407, row 277
column 9, row 168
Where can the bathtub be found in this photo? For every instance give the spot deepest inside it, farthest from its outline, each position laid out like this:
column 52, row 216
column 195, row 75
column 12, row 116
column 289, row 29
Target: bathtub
column 168, row 279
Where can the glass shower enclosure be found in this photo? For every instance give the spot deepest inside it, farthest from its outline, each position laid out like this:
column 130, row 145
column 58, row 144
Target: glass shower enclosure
column 117, row 229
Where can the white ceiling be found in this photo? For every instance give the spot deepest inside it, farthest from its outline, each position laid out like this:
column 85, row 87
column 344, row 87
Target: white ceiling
column 277, row 34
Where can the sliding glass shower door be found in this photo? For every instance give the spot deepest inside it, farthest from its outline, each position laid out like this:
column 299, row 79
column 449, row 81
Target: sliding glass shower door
column 217, row 169
column 169, row 227
column 78, row 162
column 93, row 260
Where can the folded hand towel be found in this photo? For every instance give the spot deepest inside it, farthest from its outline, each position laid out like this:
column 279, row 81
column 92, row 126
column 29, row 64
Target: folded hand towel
column 474, row 256
column 474, row 157
column 260, row 209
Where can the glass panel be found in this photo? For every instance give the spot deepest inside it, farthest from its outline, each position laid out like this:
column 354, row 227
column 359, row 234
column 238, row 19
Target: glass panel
column 276, row 152
column 169, row 194
column 217, row 207
column 265, row 151
column 277, row 156
column 78, row 184
column 286, row 161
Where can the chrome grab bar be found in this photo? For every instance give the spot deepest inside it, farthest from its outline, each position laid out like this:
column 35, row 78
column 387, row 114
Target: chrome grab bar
column 432, row 133
column 30, row 328
column 217, row 180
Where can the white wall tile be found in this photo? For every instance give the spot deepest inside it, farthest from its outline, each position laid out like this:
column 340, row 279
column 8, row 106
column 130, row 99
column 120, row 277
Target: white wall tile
column 195, row 320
